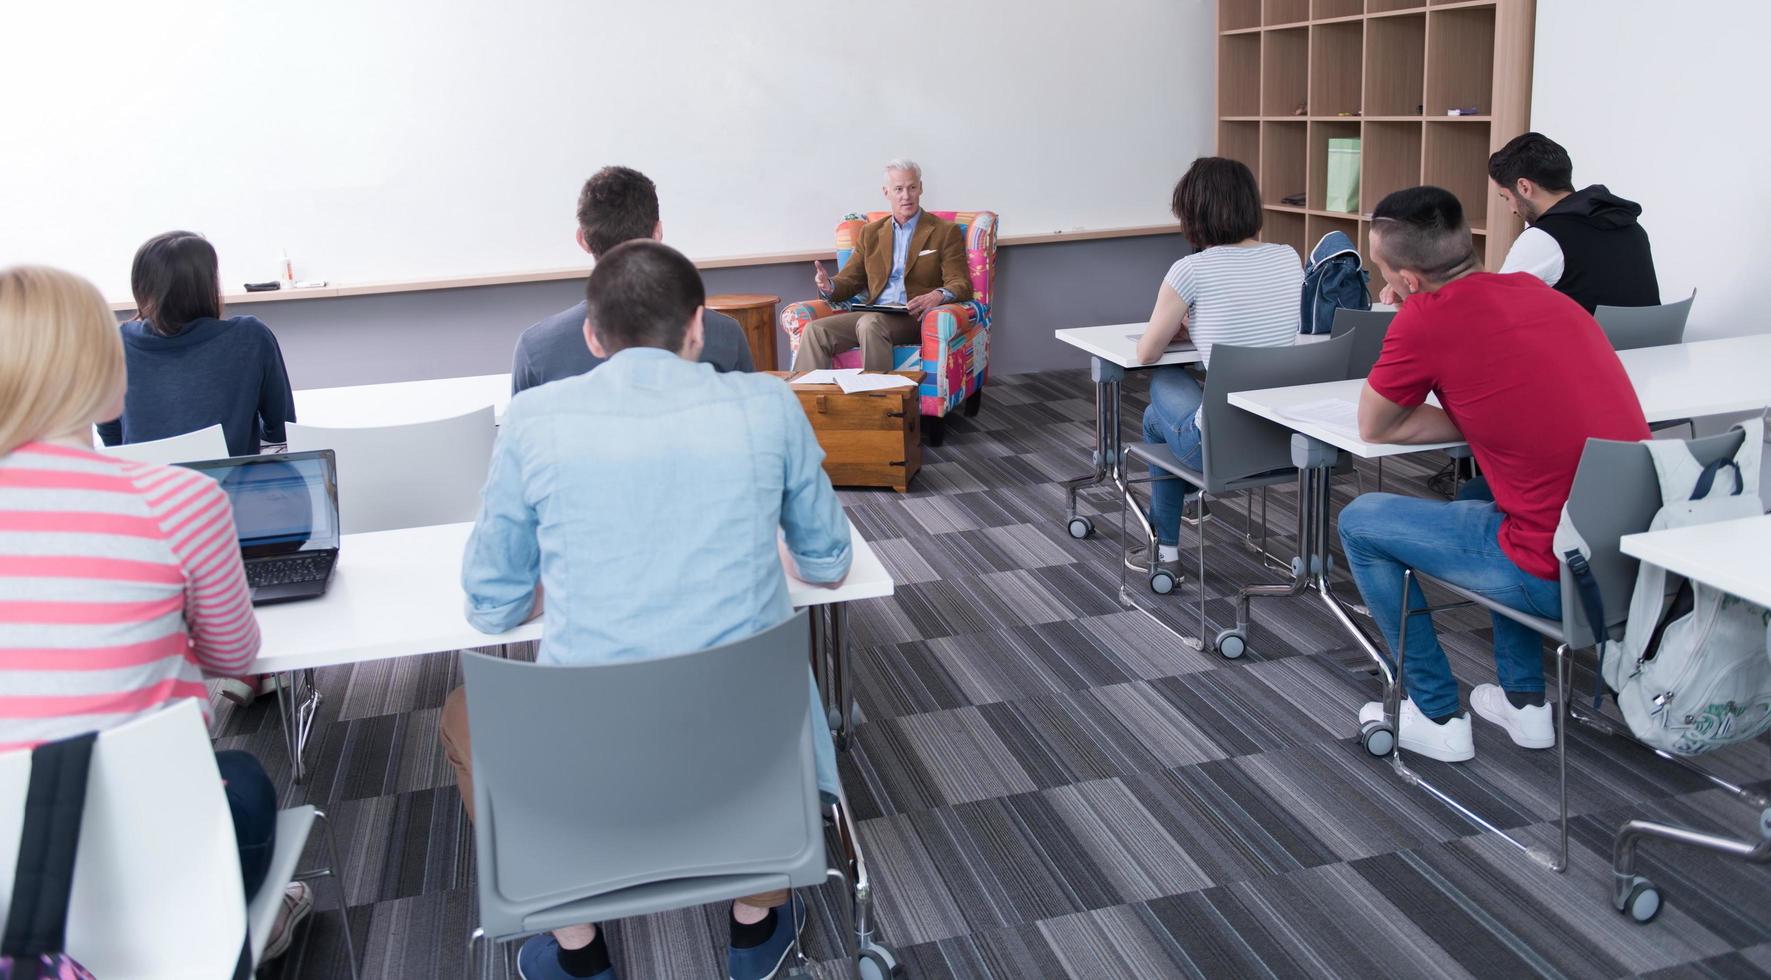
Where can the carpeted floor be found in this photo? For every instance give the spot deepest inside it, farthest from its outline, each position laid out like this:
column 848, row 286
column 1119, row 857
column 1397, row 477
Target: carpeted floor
column 1051, row 784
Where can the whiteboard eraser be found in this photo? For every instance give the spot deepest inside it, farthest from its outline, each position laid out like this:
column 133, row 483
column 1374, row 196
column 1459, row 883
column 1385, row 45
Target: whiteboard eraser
column 310, row 284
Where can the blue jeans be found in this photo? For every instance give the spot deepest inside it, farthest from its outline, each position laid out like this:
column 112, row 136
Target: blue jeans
column 252, row 801
column 1172, row 418
column 1457, row 542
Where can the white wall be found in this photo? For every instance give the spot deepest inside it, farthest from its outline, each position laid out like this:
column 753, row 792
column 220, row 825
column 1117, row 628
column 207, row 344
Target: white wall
column 402, row 139
column 1665, row 104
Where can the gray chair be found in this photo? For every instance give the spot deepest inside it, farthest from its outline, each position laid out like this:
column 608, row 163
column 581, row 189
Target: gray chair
column 1239, row 450
column 1630, row 327
column 1368, row 328
column 1615, row 492
column 690, row 780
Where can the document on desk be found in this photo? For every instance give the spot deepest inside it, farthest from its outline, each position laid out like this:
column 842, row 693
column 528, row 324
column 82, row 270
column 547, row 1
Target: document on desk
column 1335, row 413
column 852, row 383
column 825, row 376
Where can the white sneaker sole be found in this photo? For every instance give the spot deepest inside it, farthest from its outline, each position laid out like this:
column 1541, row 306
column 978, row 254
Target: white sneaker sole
column 1522, row 741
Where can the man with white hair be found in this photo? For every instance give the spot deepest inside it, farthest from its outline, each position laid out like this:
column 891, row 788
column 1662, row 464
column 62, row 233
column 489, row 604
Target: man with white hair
column 908, row 259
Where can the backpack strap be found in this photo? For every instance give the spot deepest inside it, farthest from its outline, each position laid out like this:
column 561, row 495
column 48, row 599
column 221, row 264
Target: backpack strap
column 1592, row 603
column 44, row 881
column 1707, row 479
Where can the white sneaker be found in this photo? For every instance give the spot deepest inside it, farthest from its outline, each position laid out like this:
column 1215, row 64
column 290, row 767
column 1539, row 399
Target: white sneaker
column 298, row 901
column 1450, row 742
column 1531, row 728
column 240, row 690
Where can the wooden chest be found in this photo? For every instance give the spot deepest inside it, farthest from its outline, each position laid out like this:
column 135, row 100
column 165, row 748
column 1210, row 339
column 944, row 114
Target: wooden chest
column 870, row 438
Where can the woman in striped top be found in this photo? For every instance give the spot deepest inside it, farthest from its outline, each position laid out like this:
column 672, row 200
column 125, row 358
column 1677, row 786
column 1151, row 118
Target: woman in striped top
column 1231, row 290
column 121, row 584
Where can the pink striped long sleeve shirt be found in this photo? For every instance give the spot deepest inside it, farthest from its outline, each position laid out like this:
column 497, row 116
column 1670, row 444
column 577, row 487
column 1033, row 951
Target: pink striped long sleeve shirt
column 121, row 587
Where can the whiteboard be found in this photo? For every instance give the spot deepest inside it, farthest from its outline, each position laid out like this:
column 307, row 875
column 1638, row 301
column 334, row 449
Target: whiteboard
column 378, row 140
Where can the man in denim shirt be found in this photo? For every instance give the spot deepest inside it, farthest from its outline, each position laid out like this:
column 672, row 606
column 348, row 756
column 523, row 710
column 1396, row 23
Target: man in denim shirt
column 649, row 502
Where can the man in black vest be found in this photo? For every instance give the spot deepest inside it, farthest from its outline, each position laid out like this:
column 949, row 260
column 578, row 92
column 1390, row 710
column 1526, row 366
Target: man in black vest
column 1585, row 243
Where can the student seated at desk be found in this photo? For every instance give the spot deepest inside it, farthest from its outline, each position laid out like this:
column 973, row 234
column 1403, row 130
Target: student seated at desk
column 188, row 367
column 669, row 482
column 1526, row 377
column 1232, row 290
column 121, row 585
column 617, row 204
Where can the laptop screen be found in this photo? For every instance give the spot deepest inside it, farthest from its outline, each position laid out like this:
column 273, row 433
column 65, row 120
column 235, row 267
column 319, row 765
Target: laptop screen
column 282, row 504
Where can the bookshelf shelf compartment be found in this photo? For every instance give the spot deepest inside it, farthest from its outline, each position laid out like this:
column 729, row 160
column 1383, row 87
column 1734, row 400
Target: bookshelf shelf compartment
column 1236, row 15
column 1284, row 71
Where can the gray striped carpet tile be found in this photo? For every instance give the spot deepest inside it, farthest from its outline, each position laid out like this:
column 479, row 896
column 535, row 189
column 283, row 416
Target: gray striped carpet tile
column 1051, row 782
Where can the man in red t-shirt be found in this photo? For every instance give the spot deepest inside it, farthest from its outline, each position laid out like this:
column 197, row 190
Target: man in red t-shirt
column 1525, row 376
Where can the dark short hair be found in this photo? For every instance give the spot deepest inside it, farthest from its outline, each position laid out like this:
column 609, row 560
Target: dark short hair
column 617, row 204
column 1534, row 157
column 643, row 294
column 1217, row 202
column 175, row 281
column 1423, row 229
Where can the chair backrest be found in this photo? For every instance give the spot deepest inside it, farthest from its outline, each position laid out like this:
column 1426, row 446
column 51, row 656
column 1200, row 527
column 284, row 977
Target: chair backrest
column 1238, row 444
column 1630, row 327
column 642, row 781
column 1616, row 492
column 406, row 475
column 207, row 443
column 157, row 888
column 978, row 227
column 1368, row 328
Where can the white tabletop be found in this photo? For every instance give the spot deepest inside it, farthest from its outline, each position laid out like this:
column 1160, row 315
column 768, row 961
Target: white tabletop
column 1117, row 343
column 1707, row 377
column 398, row 593
column 1728, row 555
column 401, row 402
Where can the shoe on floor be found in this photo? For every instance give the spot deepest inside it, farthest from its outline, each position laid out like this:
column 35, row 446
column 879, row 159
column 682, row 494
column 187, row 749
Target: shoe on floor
column 764, row 961
column 298, row 901
column 1137, row 559
column 1531, row 728
column 539, row 959
column 1195, row 511
column 240, row 690
column 1450, row 742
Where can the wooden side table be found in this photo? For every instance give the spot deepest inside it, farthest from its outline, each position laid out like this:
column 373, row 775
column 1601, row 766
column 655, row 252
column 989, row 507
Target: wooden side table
column 755, row 312
column 870, row 438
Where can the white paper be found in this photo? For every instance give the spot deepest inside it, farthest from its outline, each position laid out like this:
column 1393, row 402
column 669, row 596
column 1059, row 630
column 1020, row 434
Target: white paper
column 1336, row 413
column 852, row 383
column 825, row 376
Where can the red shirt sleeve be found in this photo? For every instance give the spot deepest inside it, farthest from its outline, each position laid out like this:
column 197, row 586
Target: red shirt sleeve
column 1404, row 372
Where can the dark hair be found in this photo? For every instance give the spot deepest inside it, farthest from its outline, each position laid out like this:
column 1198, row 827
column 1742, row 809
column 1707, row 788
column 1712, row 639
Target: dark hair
column 1217, row 203
column 1423, row 229
column 643, row 294
column 617, row 204
column 1534, row 157
column 174, row 280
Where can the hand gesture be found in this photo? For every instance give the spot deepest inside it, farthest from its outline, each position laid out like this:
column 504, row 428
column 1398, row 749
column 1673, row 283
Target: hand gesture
column 821, row 279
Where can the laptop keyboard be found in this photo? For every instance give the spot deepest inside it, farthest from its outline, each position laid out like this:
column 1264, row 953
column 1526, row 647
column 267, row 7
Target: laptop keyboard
column 285, row 571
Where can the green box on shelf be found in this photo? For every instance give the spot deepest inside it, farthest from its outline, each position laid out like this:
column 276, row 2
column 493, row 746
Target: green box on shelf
column 1343, row 176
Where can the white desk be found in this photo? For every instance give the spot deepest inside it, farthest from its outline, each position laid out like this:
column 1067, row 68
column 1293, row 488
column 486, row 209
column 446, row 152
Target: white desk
column 401, row 402
column 398, row 593
column 1727, row 555
column 1707, row 377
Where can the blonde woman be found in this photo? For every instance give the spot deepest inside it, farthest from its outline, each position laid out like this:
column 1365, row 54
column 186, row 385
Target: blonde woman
column 121, row 584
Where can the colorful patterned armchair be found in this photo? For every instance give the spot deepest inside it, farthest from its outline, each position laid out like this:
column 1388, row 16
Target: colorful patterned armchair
column 955, row 349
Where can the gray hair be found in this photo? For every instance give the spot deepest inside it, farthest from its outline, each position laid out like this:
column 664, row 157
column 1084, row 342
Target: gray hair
column 904, row 165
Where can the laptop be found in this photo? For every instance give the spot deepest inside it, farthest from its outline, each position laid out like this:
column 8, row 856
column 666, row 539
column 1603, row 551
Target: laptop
column 286, row 512
column 878, row 308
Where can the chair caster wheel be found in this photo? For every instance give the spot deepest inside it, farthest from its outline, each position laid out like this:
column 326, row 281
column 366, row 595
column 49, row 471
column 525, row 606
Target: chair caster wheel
column 1641, row 902
column 1377, row 738
column 877, row 963
column 1162, row 581
column 1081, row 527
column 1231, row 644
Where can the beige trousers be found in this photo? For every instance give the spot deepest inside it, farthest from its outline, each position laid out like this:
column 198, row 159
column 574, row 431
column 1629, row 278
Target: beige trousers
column 874, row 333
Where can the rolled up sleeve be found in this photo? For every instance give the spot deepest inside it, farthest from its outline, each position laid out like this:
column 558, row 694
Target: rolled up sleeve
column 503, row 561
column 812, row 521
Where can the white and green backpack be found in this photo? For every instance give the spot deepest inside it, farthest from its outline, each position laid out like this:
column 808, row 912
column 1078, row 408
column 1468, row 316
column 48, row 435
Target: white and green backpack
column 1693, row 673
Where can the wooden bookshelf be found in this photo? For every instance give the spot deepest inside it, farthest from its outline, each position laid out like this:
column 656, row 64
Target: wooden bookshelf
column 1294, row 74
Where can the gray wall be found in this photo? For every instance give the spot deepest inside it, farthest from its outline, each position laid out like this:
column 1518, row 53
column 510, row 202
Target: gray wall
column 453, row 332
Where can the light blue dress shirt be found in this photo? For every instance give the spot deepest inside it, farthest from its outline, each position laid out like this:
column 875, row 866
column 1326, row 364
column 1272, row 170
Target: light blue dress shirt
column 893, row 293
column 648, row 497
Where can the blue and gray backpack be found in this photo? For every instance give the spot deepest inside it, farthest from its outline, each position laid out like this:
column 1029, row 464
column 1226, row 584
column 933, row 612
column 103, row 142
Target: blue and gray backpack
column 1333, row 280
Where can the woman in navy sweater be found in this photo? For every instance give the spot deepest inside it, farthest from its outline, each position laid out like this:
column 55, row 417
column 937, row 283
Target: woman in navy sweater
column 189, row 368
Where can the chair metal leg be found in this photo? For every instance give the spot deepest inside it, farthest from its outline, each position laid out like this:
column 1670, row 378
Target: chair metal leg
column 344, row 918
column 1561, row 863
column 1199, row 532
